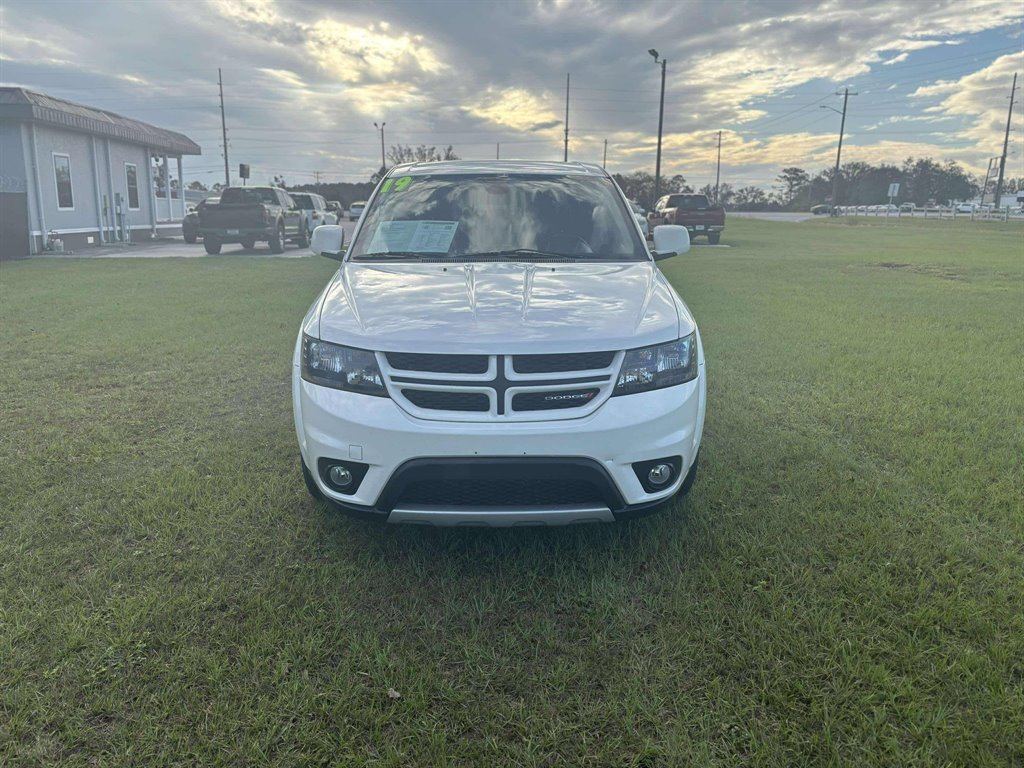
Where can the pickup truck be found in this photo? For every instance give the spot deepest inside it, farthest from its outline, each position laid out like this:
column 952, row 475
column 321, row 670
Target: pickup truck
column 247, row 214
column 519, row 362
column 695, row 212
column 316, row 210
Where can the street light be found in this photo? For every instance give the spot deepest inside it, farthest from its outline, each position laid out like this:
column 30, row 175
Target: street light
column 661, row 120
column 383, row 165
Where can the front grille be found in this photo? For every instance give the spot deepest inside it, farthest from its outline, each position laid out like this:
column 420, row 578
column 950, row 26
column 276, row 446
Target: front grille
column 435, row 400
column 576, row 361
column 551, row 401
column 500, row 387
column 414, row 361
column 499, row 493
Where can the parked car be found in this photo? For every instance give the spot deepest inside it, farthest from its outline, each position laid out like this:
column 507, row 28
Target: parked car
column 249, row 214
column 498, row 347
column 356, row 210
column 907, row 207
column 190, row 224
column 336, row 208
column 964, row 208
column 821, row 210
column 695, row 212
column 314, row 209
column 641, row 217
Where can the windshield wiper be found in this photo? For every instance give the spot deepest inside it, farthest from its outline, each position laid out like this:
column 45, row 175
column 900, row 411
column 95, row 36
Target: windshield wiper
column 385, row 255
column 533, row 253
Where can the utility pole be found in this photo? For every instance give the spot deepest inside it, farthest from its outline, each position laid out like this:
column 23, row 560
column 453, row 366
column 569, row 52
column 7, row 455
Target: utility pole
column 604, row 162
column 984, row 186
column 223, row 129
column 565, row 155
column 383, row 164
column 316, row 175
column 497, row 151
column 839, row 152
column 718, row 169
column 1006, row 142
column 661, row 121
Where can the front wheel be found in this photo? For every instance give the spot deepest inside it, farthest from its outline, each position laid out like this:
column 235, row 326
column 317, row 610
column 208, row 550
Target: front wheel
column 249, row 243
column 713, row 239
column 190, row 238
column 277, row 241
column 303, row 240
column 212, row 245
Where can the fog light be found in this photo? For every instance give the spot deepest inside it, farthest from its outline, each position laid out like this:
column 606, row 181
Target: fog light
column 660, row 474
column 339, row 476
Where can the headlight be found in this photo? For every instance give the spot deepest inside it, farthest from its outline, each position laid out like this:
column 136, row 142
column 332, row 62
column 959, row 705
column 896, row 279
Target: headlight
column 338, row 367
column 656, row 367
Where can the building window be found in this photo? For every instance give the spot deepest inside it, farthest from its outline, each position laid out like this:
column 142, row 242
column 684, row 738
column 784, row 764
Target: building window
column 131, row 175
column 62, row 175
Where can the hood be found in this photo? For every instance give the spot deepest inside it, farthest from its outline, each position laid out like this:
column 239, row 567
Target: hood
column 503, row 307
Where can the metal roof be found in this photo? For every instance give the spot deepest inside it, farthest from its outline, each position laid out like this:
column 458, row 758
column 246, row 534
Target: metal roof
column 22, row 104
column 498, row 166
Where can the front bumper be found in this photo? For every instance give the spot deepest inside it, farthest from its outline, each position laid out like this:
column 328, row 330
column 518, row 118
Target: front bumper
column 376, row 432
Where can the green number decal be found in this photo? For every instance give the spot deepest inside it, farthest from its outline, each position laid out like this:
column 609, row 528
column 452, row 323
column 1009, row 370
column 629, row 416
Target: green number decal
column 402, row 183
column 387, row 186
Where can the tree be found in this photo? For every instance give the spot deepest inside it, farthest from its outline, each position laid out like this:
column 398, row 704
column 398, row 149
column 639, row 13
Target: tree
column 751, row 199
column 638, row 186
column 198, row 186
column 278, row 181
column 791, row 181
column 676, row 184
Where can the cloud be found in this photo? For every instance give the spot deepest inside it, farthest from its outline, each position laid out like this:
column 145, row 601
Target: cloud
column 305, row 77
column 516, row 108
column 980, row 97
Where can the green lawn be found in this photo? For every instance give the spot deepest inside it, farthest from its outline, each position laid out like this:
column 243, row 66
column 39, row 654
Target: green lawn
column 843, row 586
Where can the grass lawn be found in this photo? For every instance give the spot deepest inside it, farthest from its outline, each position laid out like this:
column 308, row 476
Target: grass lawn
column 843, row 586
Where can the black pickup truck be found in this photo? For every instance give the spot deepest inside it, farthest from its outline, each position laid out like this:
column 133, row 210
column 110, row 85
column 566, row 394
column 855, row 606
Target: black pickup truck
column 247, row 214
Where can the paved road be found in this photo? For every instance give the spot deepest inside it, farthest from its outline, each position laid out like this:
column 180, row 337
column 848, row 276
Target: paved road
column 176, row 248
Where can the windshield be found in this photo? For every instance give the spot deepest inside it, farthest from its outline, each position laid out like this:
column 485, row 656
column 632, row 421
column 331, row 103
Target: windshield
column 689, row 202
column 479, row 215
column 303, row 201
column 234, row 195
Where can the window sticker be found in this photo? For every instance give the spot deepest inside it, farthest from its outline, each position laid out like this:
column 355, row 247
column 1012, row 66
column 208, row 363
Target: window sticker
column 396, row 185
column 417, row 236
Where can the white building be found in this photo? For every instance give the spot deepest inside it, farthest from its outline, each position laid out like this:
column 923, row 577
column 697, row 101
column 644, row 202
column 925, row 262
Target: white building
column 88, row 175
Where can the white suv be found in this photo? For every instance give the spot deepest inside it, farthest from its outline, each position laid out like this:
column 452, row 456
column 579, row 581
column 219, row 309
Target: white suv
column 498, row 347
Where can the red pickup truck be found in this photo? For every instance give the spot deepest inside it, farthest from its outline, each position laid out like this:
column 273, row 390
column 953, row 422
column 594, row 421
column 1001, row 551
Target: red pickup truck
column 695, row 212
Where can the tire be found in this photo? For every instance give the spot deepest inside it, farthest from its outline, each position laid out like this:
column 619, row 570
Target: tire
column 212, row 245
column 303, row 240
column 713, row 239
column 190, row 238
column 311, row 486
column 249, row 244
column 277, row 242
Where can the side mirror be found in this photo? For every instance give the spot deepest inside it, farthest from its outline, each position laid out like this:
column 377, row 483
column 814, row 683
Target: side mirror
column 328, row 240
column 670, row 240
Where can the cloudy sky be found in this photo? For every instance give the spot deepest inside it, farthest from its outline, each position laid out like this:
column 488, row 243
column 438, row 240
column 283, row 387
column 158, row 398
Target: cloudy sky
column 306, row 79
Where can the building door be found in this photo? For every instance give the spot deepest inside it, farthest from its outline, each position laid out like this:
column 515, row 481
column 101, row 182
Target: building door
column 13, row 225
